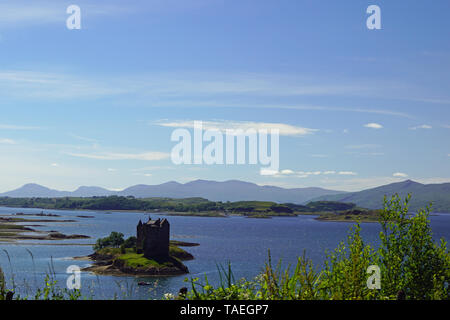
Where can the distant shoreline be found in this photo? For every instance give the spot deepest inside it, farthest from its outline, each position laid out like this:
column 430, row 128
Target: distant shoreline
column 321, row 216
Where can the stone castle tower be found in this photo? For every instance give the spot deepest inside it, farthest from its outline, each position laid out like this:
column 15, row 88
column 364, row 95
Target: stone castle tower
column 153, row 238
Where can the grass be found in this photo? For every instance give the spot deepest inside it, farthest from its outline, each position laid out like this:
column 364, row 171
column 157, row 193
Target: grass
column 138, row 261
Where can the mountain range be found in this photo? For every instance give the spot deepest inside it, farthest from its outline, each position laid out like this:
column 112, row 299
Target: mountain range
column 232, row 190
column 235, row 190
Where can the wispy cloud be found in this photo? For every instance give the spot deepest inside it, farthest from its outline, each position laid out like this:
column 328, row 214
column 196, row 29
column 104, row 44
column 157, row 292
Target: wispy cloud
column 373, row 125
column 223, row 125
column 304, row 174
column 423, row 126
column 44, row 85
column 20, row 13
column 362, row 146
column 347, row 173
column 81, row 138
column 400, row 175
column 184, row 90
column 7, row 141
column 149, row 156
column 153, row 168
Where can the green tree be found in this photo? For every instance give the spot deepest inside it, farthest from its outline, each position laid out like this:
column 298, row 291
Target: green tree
column 114, row 240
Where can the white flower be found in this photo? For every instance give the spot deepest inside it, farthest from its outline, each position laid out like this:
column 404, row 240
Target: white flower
column 169, row 296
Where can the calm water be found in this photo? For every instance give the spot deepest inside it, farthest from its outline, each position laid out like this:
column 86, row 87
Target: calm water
column 244, row 242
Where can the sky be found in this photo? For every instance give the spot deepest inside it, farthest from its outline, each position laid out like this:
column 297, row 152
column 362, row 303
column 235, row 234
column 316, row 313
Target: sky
column 358, row 108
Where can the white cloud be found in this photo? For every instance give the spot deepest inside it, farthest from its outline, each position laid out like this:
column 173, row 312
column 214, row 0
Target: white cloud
column 432, row 180
column 363, row 146
column 7, row 141
column 111, row 170
column 149, row 156
column 19, row 13
column 37, row 85
column 153, row 168
column 54, row 165
column 399, row 175
column 373, row 125
column 423, row 126
column 304, row 174
column 223, row 125
column 268, row 172
column 319, row 155
column 75, row 136
column 347, row 173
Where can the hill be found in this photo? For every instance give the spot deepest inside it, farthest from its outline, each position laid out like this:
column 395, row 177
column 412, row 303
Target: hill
column 422, row 195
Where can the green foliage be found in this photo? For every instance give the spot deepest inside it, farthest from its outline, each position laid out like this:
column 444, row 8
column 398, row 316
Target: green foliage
column 324, row 206
column 410, row 262
column 3, row 290
column 50, row 291
column 114, row 240
column 344, row 274
column 130, row 242
column 408, row 257
column 188, row 205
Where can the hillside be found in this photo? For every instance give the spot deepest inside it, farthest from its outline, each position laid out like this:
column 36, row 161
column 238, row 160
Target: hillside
column 422, row 194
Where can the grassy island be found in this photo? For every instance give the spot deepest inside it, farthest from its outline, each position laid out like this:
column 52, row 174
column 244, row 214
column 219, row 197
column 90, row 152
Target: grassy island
column 123, row 259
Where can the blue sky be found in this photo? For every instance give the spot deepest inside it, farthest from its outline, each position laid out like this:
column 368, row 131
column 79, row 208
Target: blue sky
column 97, row 106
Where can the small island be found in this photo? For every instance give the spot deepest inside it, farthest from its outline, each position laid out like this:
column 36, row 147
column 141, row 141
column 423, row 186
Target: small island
column 11, row 230
column 150, row 253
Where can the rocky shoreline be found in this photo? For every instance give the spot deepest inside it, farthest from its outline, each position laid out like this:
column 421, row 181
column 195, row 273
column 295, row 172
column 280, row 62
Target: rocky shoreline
column 11, row 231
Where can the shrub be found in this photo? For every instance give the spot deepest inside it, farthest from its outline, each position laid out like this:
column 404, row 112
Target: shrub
column 114, row 240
